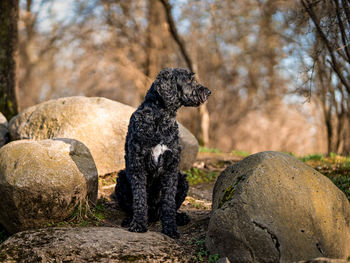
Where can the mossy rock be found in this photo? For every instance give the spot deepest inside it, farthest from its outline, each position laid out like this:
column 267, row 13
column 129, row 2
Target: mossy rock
column 43, row 181
column 271, row 207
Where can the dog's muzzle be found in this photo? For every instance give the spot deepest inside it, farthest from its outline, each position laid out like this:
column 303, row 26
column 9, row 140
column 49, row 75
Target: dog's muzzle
column 204, row 94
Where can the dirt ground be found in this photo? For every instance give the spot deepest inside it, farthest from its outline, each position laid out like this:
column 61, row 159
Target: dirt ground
column 197, row 205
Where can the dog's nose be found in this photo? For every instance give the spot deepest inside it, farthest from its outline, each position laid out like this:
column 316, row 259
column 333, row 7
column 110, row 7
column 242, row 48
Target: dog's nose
column 208, row 92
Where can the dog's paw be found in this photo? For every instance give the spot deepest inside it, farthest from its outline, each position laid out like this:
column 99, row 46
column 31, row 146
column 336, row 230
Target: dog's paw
column 137, row 227
column 182, row 219
column 171, row 232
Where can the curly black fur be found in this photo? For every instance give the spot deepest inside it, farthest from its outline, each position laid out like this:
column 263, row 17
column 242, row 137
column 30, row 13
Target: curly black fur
column 151, row 186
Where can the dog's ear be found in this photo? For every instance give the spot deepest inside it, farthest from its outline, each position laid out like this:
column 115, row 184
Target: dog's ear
column 166, row 86
column 154, row 96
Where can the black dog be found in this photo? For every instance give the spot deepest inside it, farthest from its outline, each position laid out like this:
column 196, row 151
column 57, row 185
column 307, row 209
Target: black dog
column 151, row 186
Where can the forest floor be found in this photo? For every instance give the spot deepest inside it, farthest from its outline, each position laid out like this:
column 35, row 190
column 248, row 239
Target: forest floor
column 202, row 176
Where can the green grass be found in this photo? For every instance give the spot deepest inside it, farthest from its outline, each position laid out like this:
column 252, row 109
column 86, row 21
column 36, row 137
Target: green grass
column 197, row 176
column 312, row 157
column 83, row 216
column 208, row 150
column 343, row 183
column 240, row 153
column 202, row 254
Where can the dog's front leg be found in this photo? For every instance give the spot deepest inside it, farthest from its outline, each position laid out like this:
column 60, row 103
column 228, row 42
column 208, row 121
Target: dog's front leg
column 168, row 206
column 138, row 186
column 168, row 190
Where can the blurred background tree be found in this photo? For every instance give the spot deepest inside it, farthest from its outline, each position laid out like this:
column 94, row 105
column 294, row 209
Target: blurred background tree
column 8, row 49
column 277, row 83
column 329, row 74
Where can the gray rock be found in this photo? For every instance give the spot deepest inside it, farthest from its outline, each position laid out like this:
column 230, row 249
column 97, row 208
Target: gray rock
column 270, row 207
column 4, row 133
column 3, row 120
column 43, row 181
column 93, row 244
column 99, row 123
column 190, row 147
column 324, row 260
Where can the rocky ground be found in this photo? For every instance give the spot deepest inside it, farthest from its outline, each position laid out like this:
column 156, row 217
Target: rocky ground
column 198, row 203
column 202, row 177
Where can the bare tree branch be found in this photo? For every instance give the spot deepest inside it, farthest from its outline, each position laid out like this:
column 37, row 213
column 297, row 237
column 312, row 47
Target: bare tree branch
column 175, row 35
column 342, row 31
column 308, row 7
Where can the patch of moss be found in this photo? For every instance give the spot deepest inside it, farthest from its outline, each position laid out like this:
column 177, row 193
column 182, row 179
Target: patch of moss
column 228, row 192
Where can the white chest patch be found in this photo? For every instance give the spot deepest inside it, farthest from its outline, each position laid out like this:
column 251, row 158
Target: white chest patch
column 157, row 151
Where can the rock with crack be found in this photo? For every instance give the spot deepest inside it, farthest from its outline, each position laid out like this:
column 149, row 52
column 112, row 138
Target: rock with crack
column 270, row 207
column 43, row 181
column 101, row 124
column 93, row 244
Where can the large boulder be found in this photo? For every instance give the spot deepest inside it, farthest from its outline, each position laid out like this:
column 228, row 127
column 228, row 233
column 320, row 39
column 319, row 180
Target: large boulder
column 43, row 181
column 101, row 124
column 4, row 133
column 270, row 207
column 93, row 244
column 190, row 147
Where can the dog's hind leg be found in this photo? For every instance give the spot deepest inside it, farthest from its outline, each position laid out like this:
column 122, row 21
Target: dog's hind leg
column 123, row 195
column 182, row 189
column 181, row 193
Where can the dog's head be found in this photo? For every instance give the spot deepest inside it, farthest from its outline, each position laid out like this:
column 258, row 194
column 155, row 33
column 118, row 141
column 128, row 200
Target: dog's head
column 177, row 87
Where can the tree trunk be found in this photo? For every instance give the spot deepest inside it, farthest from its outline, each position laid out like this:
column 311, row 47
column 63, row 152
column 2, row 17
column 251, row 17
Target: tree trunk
column 329, row 127
column 204, row 117
column 154, row 38
column 8, row 48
